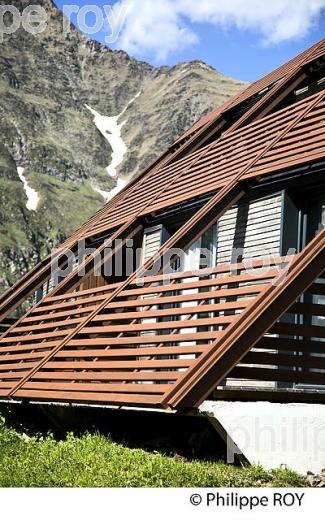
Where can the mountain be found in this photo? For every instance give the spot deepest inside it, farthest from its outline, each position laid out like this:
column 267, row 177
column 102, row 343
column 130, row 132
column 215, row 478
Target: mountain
column 76, row 120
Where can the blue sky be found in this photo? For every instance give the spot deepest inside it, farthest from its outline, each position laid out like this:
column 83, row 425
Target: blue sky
column 244, row 39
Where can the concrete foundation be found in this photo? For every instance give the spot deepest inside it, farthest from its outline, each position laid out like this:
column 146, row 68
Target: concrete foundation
column 274, row 434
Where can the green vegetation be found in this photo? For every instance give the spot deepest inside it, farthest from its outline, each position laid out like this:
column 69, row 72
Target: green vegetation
column 94, row 460
column 27, row 236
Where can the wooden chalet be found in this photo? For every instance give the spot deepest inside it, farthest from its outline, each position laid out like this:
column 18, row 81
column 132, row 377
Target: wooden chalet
column 245, row 183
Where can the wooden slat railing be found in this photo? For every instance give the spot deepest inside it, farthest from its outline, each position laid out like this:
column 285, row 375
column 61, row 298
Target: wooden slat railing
column 119, row 357
column 293, row 351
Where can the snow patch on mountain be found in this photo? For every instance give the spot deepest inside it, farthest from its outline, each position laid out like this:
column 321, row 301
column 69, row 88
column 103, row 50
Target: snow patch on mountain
column 110, row 128
column 31, row 194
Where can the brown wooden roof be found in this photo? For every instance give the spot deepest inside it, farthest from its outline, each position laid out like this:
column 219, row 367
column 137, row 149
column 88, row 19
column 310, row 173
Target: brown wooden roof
column 169, row 343
column 271, row 79
column 302, row 140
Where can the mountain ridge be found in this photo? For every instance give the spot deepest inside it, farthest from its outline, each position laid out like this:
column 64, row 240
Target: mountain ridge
column 49, row 85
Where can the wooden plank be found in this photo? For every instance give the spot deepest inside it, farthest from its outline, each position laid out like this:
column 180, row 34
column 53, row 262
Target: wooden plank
column 294, row 329
column 193, row 297
column 179, row 324
column 17, row 366
column 22, row 357
column 73, row 304
column 119, row 365
column 265, row 358
column 35, row 337
column 45, row 326
column 33, row 318
column 11, row 375
column 291, row 344
column 138, row 340
column 101, row 375
column 132, row 352
column 129, row 399
column 155, row 313
column 308, row 309
column 276, row 396
column 143, row 388
column 82, row 293
column 27, row 347
column 198, row 284
column 285, row 376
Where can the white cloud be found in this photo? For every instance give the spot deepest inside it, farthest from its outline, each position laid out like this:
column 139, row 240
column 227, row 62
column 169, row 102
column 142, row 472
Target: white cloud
column 154, row 26
column 165, row 26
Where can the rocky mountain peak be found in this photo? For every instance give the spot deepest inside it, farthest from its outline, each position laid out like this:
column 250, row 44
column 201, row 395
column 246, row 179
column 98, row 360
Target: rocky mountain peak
column 78, row 119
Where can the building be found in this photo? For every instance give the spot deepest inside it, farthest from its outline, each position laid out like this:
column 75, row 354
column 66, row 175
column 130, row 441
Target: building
column 225, row 299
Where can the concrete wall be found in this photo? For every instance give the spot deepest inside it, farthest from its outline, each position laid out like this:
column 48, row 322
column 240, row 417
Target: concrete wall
column 273, row 434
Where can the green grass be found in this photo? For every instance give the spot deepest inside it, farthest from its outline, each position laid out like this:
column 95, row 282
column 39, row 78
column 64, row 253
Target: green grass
column 94, row 460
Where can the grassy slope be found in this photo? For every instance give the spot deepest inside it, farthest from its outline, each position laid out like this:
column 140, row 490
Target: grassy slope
column 93, row 460
column 64, row 207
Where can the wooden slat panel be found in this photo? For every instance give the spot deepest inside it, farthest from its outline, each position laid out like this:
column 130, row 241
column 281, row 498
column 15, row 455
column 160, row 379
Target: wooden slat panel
column 45, row 326
column 31, row 340
column 119, row 365
column 131, row 352
column 298, row 330
column 180, row 324
column 292, row 345
column 102, row 375
column 265, row 358
column 165, row 288
column 100, row 387
column 155, row 313
column 138, row 340
column 27, row 347
column 284, row 376
column 181, row 190
column 212, row 165
column 147, row 400
column 311, row 309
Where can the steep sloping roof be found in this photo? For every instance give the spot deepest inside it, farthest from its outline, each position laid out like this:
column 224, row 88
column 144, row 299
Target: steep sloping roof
column 146, row 362
column 167, row 344
column 137, row 352
column 163, row 169
column 301, row 127
column 268, row 81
